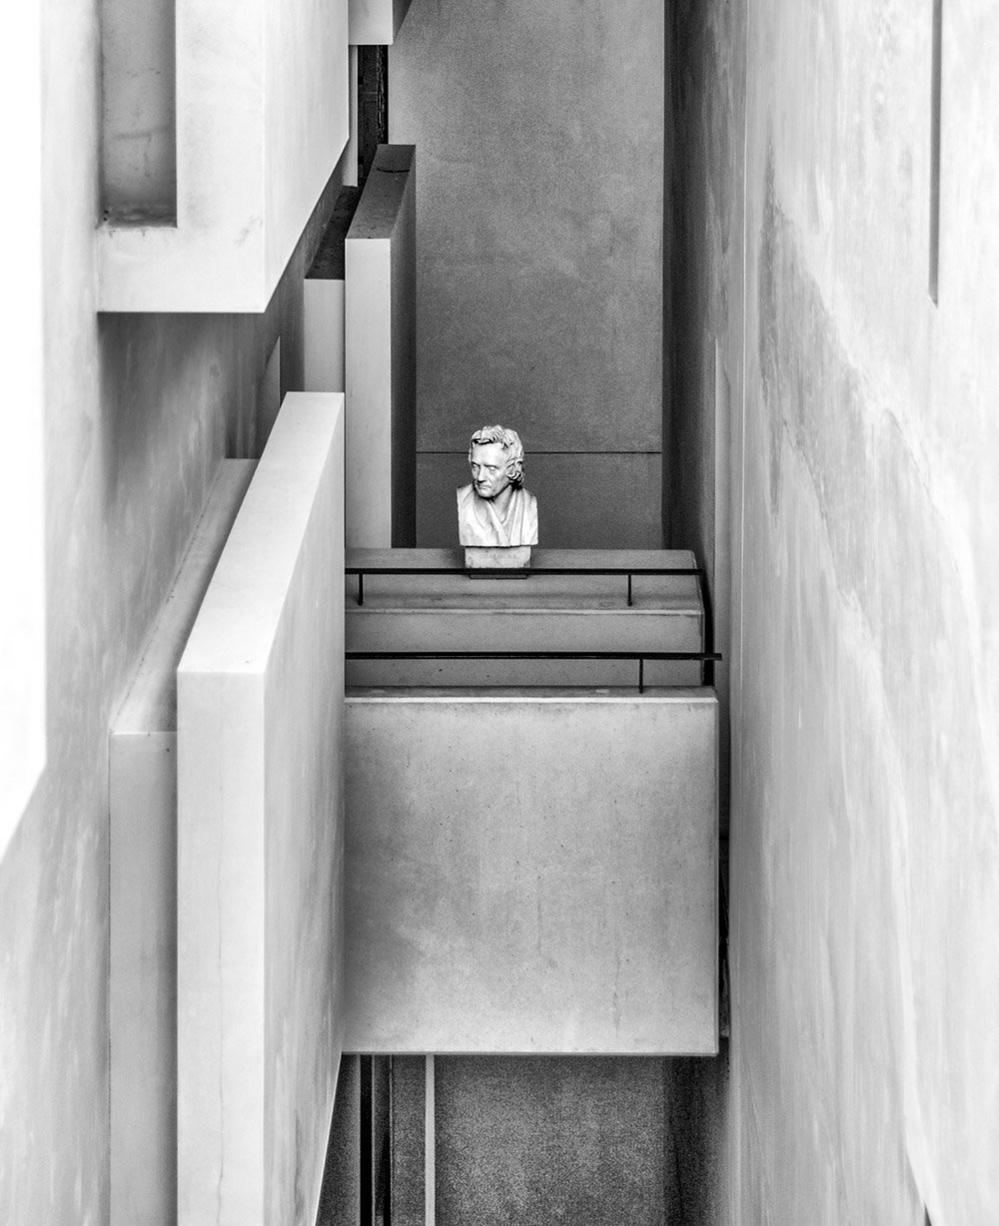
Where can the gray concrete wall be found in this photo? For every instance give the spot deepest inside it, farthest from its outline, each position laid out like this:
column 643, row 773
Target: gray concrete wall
column 538, row 1141
column 556, row 908
column 865, row 699
column 139, row 411
column 539, row 232
column 138, row 109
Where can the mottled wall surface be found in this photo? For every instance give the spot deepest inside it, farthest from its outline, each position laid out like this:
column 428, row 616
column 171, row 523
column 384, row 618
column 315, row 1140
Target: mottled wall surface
column 559, row 1140
column 539, row 138
column 865, row 853
column 139, row 410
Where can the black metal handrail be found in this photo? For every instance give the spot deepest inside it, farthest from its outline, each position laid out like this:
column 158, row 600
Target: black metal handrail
column 509, row 572
column 705, row 658
column 708, row 657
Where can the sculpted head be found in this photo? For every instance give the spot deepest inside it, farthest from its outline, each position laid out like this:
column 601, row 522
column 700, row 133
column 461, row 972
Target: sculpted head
column 496, row 458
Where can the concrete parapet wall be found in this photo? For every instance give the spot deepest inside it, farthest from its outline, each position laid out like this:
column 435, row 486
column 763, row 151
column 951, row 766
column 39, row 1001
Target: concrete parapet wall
column 380, row 354
column 532, row 875
column 142, row 975
column 260, row 841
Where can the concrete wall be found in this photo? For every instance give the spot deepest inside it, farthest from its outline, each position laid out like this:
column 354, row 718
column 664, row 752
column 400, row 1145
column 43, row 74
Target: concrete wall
column 865, row 864
column 22, row 526
column 539, row 137
column 260, row 837
column 380, row 354
column 138, row 413
column 532, row 1141
column 142, row 875
column 502, row 896
column 376, row 22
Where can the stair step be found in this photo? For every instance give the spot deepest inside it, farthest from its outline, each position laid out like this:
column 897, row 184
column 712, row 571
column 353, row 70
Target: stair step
column 519, row 674
column 565, row 612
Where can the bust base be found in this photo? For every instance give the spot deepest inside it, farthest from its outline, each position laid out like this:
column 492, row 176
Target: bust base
column 497, row 557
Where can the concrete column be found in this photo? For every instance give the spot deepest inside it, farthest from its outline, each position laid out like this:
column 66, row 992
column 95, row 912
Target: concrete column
column 380, row 357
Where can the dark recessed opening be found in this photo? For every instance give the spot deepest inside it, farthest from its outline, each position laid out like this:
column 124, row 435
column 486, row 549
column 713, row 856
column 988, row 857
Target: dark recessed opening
column 372, row 106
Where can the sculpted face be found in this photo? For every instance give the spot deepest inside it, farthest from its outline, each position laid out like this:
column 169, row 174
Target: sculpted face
column 489, row 465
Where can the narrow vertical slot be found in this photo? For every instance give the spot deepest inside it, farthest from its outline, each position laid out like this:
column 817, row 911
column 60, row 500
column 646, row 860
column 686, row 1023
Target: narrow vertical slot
column 430, row 1144
column 936, row 94
column 366, row 1197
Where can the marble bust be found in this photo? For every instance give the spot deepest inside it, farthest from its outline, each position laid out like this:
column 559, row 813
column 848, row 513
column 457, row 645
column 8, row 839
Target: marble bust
column 497, row 517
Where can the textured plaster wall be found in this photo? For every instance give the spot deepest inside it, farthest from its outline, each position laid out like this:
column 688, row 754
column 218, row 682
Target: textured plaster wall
column 139, row 410
column 539, row 139
column 865, row 514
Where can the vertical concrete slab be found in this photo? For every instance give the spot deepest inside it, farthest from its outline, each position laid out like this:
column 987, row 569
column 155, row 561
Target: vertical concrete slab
column 380, row 360
column 550, row 1140
column 142, row 974
column 532, row 874
column 260, row 842
column 22, row 515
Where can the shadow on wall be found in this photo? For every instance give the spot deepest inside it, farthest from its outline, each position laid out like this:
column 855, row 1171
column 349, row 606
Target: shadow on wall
column 696, row 1111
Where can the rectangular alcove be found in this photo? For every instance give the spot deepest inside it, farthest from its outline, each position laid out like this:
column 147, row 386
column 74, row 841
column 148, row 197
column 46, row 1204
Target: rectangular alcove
column 380, row 355
column 222, row 123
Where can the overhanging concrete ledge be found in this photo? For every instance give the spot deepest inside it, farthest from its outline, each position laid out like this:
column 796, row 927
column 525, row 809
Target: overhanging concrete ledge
column 532, row 874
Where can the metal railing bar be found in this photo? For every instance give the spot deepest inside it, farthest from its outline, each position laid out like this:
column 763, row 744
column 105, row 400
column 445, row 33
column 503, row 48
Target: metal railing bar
column 501, row 572
column 708, row 658
column 523, row 570
column 529, row 655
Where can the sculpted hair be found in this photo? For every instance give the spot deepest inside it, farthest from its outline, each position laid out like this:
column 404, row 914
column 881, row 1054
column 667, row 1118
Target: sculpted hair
column 509, row 440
